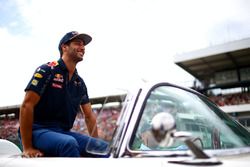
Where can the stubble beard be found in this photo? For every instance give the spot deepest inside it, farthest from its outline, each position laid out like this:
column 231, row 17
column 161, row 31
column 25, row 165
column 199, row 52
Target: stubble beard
column 76, row 56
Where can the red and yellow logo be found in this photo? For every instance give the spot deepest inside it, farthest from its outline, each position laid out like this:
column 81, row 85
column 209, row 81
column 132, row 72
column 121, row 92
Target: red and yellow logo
column 58, row 78
column 52, row 64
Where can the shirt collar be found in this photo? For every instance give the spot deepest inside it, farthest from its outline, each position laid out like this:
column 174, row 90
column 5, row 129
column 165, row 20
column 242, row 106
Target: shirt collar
column 62, row 64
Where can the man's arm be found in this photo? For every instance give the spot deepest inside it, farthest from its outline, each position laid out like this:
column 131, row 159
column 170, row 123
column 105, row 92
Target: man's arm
column 90, row 119
column 26, row 119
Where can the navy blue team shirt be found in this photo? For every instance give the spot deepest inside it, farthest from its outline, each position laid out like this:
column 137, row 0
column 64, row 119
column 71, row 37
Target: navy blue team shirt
column 60, row 98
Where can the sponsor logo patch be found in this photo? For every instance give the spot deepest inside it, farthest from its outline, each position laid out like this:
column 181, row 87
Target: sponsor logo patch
column 54, row 85
column 40, row 69
column 52, row 64
column 77, row 83
column 34, row 82
column 58, row 78
column 38, row 75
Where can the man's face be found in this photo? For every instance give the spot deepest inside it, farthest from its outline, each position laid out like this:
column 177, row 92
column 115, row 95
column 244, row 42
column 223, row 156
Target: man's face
column 75, row 50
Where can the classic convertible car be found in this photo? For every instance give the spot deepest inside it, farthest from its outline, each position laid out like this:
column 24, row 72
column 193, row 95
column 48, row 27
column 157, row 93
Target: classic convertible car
column 162, row 124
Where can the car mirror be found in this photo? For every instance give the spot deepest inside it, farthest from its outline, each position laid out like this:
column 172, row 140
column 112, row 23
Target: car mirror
column 164, row 132
column 163, row 124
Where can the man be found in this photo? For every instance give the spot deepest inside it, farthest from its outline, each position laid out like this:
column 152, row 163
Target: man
column 53, row 97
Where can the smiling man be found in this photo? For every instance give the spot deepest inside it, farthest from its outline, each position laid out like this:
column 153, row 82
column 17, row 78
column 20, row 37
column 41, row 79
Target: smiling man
column 53, row 97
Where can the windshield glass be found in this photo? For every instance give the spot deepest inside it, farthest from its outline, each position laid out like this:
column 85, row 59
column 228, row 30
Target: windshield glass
column 107, row 110
column 210, row 127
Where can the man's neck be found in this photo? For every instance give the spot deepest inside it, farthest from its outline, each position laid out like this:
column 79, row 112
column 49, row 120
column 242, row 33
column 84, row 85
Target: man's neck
column 71, row 66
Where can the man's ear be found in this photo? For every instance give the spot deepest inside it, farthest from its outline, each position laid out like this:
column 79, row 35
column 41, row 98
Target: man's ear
column 63, row 46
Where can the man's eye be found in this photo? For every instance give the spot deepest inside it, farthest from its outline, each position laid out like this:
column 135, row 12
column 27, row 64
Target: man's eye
column 79, row 43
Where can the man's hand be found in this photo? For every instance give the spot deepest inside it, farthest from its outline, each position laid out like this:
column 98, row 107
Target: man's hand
column 32, row 153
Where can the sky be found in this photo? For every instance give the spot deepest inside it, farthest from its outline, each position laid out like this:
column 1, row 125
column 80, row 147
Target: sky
column 133, row 40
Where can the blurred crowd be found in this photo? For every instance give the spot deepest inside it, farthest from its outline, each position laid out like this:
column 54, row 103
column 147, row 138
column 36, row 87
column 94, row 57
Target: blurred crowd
column 106, row 123
column 231, row 99
column 8, row 129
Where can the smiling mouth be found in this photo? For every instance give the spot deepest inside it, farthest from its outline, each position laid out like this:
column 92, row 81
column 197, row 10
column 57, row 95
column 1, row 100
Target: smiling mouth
column 81, row 53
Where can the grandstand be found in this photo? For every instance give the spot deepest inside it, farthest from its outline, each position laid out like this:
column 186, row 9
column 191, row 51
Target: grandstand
column 222, row 72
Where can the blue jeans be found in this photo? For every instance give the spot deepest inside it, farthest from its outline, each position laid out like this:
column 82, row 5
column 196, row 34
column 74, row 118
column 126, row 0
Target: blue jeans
column 55, row 142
